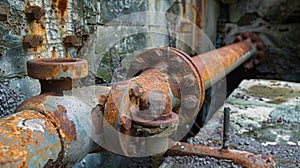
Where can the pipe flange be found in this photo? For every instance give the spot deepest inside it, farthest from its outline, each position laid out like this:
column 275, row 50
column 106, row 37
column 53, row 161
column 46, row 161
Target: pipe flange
column 182, row 69
column 57, row 68
column 260, row 46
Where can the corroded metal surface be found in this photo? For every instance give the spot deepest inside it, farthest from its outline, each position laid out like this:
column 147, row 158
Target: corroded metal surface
column 62, row 113
column 32, row 41
column 26, row 135
column 243, row 158
column 71, row 41
column 165, row 87
column 56, row 69
column 185, row 81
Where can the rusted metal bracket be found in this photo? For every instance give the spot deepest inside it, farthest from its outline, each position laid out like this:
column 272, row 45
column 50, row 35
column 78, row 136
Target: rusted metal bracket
column 165, row 89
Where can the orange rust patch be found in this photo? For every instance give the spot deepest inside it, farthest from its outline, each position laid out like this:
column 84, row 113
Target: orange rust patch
column 62, row 6
column 66, row 127
column 53, row 53
column 21, row 143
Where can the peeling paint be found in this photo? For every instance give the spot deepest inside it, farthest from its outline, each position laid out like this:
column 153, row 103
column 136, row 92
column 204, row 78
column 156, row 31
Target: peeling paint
column 32, row 124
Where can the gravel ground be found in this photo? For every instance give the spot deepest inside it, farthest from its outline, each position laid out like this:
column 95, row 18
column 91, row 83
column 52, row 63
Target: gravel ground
column 284, row 155
column 194, row 161
column 9, row 99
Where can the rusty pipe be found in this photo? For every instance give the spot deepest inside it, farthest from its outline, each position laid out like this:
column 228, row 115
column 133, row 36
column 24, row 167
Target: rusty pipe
column 243, row 158
column 175, row 80
column 46, row 130
column 214, row 65
column 55, row 110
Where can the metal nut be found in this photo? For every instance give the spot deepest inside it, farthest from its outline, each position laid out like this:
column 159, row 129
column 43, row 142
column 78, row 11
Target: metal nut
column 136, row 90
column 3, row 13
column 190, row 102
column 32, row 41
column 188, row 80
column 34, row 12
column 175, row 63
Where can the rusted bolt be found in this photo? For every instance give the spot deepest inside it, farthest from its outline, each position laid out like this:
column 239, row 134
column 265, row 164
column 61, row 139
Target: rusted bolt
column 190, row 102
column 175, row 63
column 189, row 80
column 136, row 90
column 3, row 13
column 32, row 41
column 70, row 41
column 34, row 12
column 125, row 122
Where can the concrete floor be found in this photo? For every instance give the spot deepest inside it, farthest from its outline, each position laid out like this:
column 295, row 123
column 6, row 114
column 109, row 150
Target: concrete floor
column 265, row 119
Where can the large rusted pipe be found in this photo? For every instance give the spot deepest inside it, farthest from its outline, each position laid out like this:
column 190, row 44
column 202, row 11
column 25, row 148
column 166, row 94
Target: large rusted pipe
column 46, row 131
column 65, row 136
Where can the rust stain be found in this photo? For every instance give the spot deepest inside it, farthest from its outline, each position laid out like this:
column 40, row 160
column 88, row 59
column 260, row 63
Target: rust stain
column 67, row 54
column 53, row 53
column 66, row 127
column 198, row 13
column 62, row 6
column 183, row 8
column 36, row 28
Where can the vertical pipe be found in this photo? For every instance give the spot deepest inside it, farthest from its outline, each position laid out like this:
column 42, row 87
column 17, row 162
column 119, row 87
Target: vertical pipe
column 226, row 123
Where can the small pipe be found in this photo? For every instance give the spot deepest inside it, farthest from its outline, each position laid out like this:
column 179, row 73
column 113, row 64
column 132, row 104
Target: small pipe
column 243, row 158
column 214, row 65
column 226, row 123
